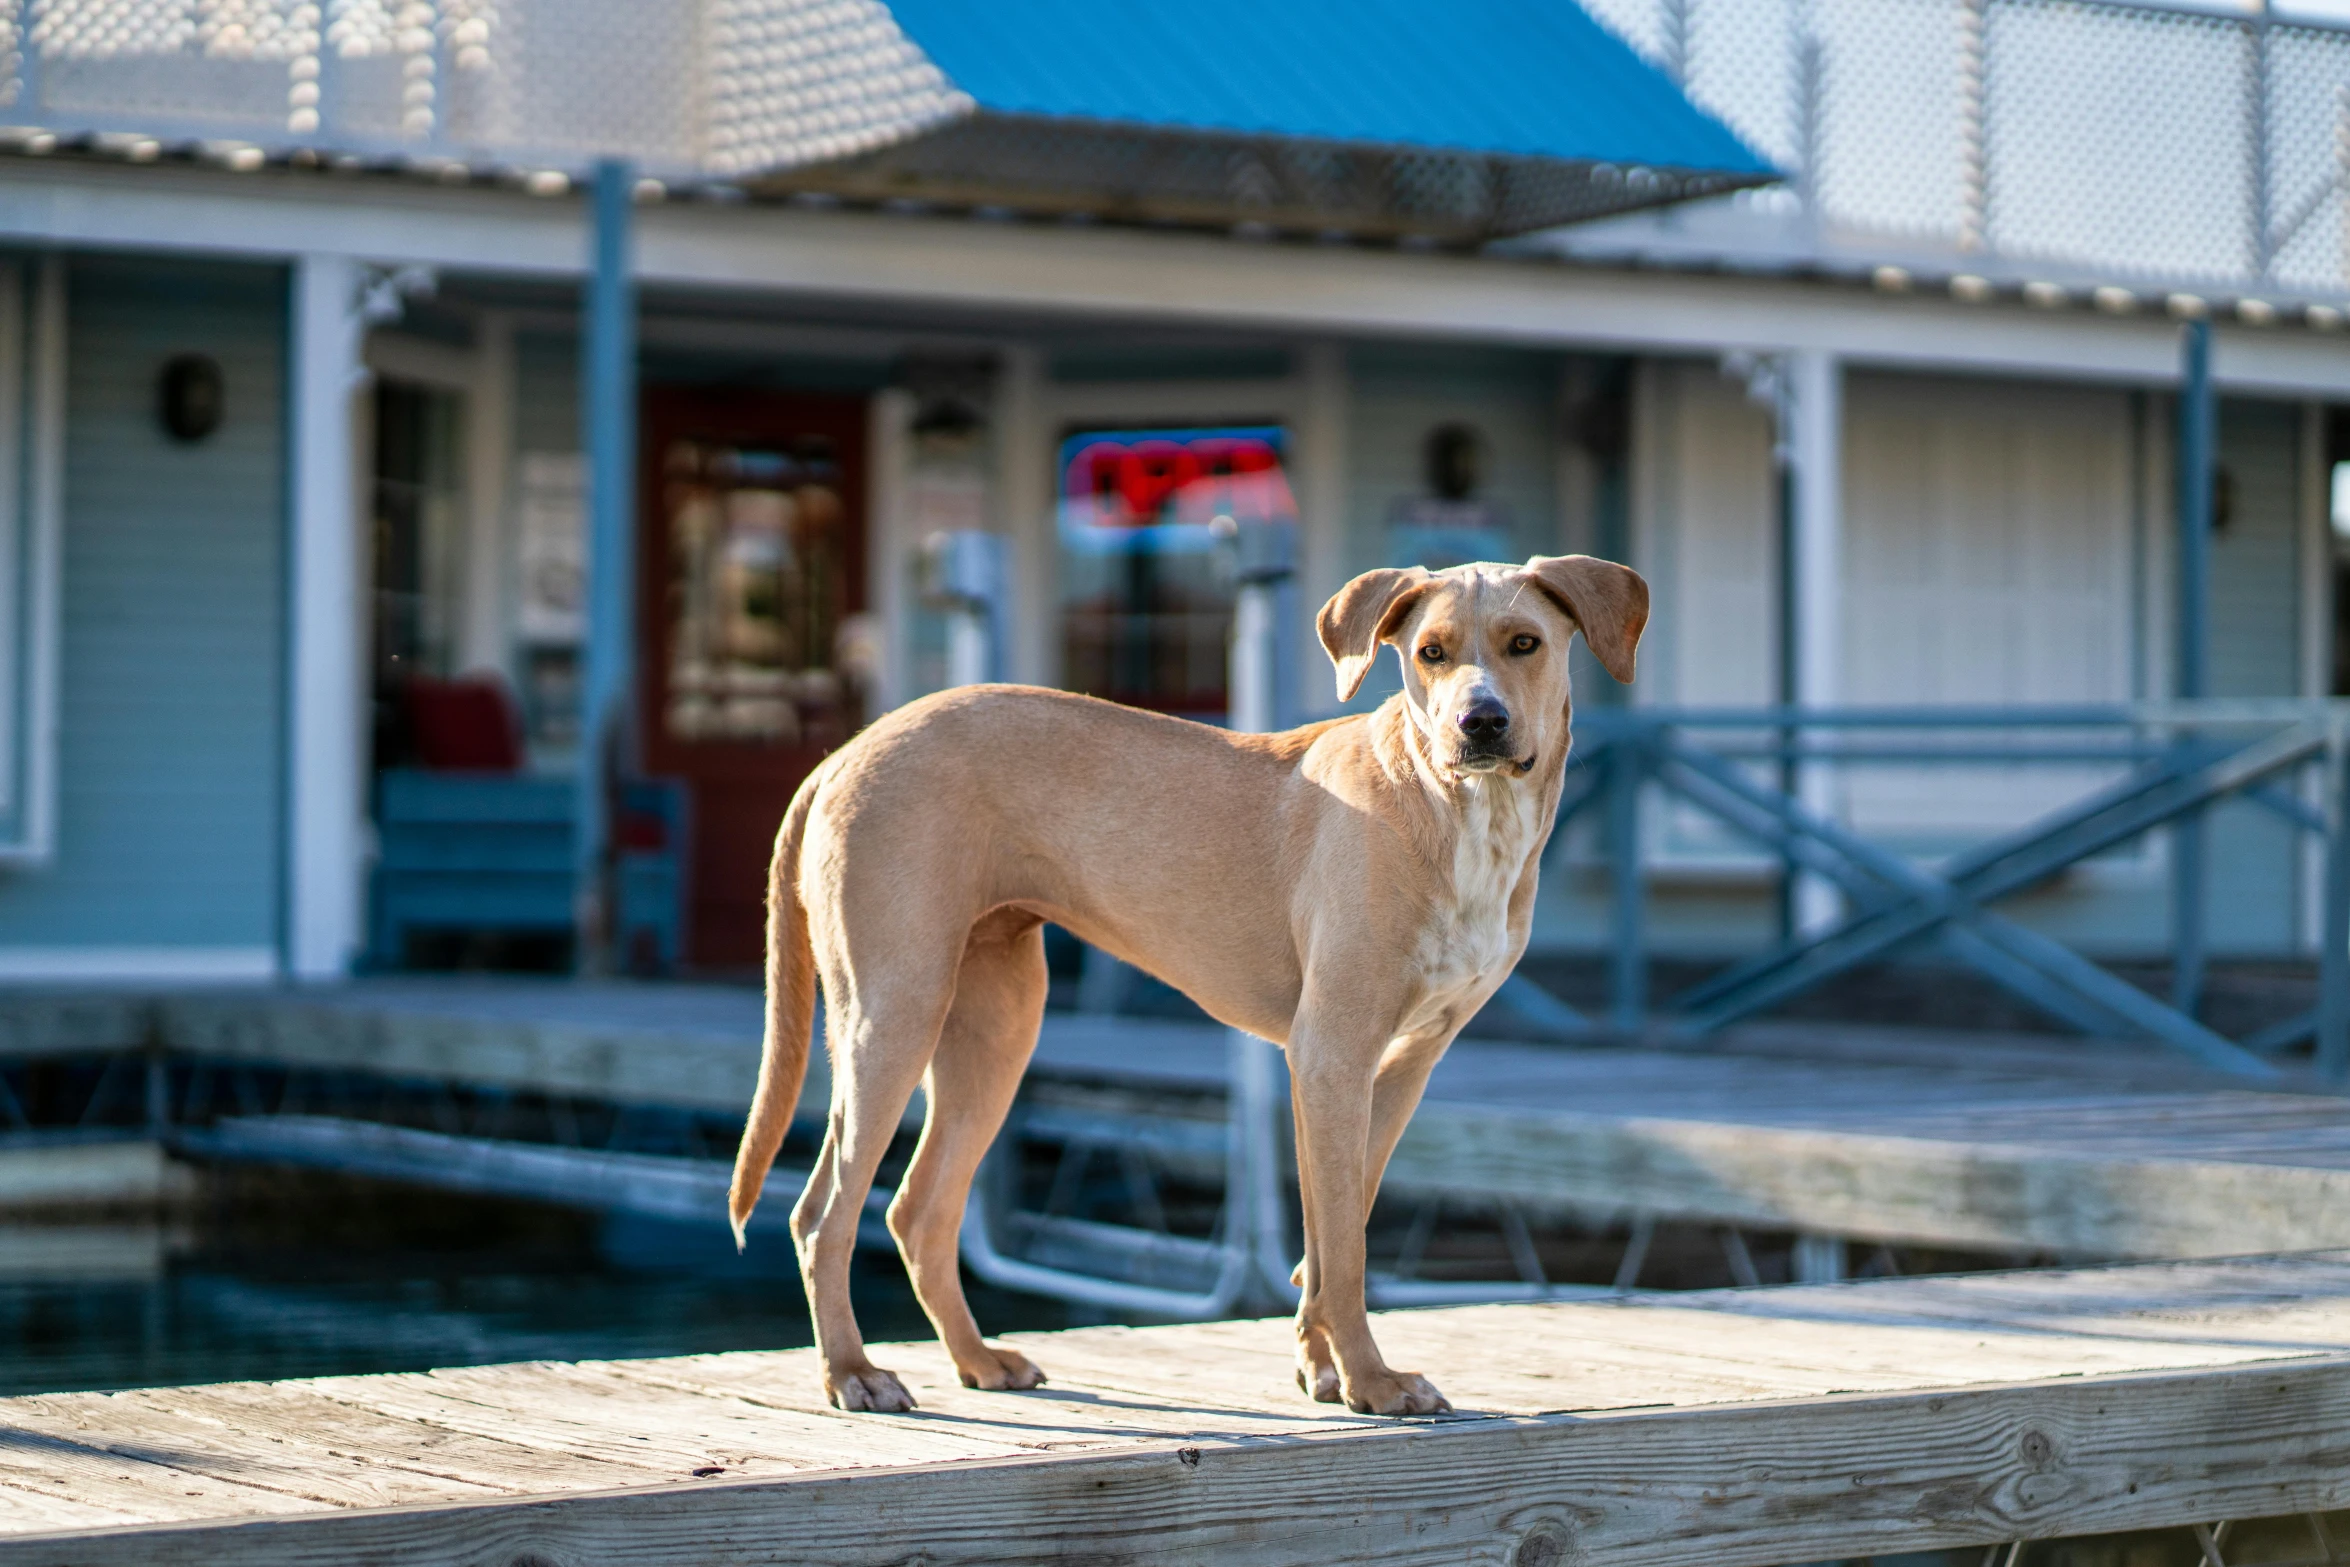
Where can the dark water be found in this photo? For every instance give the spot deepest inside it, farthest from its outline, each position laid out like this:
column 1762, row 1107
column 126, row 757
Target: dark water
column 294, row 1276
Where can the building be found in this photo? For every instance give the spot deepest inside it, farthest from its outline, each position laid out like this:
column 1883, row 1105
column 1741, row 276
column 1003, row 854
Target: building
column 896, row 278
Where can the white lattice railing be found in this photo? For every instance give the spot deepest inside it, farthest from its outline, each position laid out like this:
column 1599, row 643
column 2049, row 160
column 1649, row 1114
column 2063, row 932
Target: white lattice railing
column 2097, row 141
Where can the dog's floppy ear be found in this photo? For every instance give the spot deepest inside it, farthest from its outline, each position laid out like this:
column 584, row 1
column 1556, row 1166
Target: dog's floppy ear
column 1362, row 615
column 1610, row 603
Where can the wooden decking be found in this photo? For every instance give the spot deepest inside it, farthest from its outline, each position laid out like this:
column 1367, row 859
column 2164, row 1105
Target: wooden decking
column 2073, row 1148
column 2080, row 1149
column 2083, row 1149
column 1738, row 1427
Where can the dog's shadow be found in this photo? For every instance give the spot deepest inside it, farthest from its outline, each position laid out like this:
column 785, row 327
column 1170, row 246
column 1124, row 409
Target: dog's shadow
column 1218, row 1420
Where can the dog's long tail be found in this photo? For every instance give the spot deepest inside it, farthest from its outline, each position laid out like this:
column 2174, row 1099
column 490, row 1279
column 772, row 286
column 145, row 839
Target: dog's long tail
column 791, row 1011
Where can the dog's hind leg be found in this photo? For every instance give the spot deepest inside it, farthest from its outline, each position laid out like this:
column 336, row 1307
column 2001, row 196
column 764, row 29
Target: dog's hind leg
column 882, row 1037
column 990, row 1033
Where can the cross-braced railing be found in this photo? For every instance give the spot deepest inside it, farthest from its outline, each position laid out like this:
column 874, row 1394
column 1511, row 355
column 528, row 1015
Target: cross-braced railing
column 2292, row 1540
column 1769, row 775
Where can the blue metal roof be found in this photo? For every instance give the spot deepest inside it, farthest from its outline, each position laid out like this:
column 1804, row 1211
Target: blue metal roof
column 1514, row 78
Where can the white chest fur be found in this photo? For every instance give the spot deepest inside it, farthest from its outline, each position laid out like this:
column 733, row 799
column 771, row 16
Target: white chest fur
column 1467, row 937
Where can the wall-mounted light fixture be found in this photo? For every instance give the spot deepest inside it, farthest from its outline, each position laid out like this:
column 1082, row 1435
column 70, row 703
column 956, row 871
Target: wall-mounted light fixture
column 191, row 396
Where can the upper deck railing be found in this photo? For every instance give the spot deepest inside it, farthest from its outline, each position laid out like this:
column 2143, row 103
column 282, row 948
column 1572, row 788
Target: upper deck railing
column 2073, row 142
column 685, row 89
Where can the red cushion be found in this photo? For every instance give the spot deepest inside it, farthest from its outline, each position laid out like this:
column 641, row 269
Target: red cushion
column 467, row 725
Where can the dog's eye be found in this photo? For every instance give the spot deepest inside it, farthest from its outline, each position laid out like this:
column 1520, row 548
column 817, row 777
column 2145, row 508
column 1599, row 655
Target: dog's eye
column 1432, row 654
column 1522, row 644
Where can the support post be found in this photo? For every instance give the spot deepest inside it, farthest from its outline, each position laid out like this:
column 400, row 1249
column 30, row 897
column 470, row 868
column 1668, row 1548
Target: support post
column 2198, row 434
column 1266, row 557
column 1625, row 776
column 2258, row 153
column 1814, row 620
column 1788, row 686
column 2333, row 962
column 968, row 573
column 325, row 682
column 1974, row 168
column 489, row 459
column 608, row 439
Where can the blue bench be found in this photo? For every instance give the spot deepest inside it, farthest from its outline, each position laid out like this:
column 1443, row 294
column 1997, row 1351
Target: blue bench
column 493, row 852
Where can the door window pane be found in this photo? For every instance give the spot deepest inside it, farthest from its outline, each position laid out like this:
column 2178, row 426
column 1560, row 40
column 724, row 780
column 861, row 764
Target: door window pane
column 756, row 593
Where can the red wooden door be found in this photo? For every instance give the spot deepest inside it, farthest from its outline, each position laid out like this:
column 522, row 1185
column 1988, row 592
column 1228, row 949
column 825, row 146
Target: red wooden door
column 753, row 565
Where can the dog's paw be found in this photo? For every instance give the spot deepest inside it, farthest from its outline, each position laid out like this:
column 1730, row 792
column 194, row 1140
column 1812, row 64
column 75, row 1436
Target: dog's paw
column 1395, row 1393
column 1003, row 1371
column 1317, row 1372
column 870, row 1388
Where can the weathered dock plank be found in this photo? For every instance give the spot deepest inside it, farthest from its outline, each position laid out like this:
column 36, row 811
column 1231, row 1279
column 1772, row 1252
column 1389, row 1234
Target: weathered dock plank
column 690, row 1046
column 46, row 1171
column 2072, row 1148
column 1725, row 1428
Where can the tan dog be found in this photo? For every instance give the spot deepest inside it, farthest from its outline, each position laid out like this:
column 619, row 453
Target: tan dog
column 1353, row 890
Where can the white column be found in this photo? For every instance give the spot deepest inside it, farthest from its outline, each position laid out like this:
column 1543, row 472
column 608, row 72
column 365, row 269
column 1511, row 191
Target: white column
column 1322, row 506
column 44, row 559
column 1817, row 623
column 326, row 732
column 1023, row 478
column 888, row 419
column 482, row 641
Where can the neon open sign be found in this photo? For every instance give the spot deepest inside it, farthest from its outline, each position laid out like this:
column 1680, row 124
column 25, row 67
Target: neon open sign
column 1148, row 478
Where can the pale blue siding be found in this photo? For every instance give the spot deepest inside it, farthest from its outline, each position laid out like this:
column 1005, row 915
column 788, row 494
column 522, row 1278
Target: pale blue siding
column 171, row 763
column 2256, row 651
column 546, row 399
column 1403, row 392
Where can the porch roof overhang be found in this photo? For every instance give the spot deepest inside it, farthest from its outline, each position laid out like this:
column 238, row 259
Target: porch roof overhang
column 1378, row 119
column 1375, row 118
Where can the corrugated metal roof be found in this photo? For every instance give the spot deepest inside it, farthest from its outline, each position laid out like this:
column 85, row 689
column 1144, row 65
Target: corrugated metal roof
column 1513, row 78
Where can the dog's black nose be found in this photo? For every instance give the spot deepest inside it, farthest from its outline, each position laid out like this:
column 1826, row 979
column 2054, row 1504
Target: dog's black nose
column 1485, row 721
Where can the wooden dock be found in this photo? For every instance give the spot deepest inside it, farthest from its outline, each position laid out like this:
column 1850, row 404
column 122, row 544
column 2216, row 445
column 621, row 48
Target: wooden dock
column 2082, row 1149
column 1996, row 1143
column 1719, row 1428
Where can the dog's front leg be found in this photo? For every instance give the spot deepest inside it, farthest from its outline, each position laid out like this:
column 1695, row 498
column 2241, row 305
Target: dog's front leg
column 1331, row 1077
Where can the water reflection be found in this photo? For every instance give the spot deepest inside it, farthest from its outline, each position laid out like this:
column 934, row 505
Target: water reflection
column 276, row 1274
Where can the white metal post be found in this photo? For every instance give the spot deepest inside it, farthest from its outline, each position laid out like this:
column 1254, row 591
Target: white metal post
column 968, row 649
column 325, row 728
column 1323, row 425
column 889, row 423
column 1815, row 620
column 1257, row 1070
column 968, row 573
column 489, row 459
column 1024, row 492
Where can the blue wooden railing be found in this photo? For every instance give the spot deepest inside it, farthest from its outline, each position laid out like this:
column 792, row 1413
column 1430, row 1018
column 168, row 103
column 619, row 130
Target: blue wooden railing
column 2175, row 760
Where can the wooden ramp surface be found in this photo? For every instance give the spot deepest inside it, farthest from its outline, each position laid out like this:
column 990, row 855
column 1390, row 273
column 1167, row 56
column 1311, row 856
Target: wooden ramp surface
column 2080, row 1148
column 1732, row 1427
column 2076, row 1148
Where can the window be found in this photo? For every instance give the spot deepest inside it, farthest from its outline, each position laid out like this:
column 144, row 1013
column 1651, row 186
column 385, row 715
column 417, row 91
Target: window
column 1146, row 607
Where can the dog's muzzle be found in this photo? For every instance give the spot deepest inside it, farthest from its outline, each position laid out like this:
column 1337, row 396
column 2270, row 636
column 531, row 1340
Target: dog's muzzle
column 1486, row 743
column 1493, row 762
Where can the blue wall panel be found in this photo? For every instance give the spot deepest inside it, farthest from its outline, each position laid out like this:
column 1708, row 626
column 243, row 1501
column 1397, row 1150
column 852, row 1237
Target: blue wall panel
column 171, row 761
column 2256, row 652
column 1401, row 394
